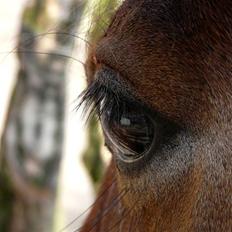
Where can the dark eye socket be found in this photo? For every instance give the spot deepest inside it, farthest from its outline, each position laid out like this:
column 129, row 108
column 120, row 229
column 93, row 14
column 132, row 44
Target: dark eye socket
column 130, row 129
column 133, row 131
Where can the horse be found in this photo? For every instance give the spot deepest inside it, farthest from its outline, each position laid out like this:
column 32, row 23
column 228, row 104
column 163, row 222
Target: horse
column 160, row 80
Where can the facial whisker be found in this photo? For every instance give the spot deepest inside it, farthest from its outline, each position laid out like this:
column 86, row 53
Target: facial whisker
column 50, row 54
column 45, row 53
column 136, row 220
column 126, row 212
column 85, row 211
column 114, row 202
column 38, row 36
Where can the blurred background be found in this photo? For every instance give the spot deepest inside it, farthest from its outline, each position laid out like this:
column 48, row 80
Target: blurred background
column 51, row 160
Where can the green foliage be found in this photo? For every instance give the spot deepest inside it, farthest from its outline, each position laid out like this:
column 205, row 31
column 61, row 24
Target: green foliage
column 92, row 156
column 35, row 16
column 101, row 18
column 6, row 197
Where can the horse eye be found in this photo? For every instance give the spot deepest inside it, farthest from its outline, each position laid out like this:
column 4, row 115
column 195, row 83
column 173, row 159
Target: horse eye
column 130, row 131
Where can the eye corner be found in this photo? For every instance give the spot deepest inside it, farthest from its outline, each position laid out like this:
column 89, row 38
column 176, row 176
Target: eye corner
column 92, row 66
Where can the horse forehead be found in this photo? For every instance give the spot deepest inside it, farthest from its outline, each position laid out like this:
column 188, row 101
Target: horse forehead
column 160, row 32
column 150, row 34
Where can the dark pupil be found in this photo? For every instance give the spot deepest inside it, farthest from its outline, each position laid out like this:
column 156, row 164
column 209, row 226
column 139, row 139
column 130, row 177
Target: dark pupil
column 130, row 131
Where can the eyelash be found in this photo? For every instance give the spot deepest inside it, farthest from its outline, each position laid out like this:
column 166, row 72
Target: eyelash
column 98, row 99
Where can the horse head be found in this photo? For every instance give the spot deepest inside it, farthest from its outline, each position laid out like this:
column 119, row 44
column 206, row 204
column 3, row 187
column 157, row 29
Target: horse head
column 160, row 80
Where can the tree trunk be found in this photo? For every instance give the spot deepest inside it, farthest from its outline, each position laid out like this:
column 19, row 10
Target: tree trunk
column 32, row 141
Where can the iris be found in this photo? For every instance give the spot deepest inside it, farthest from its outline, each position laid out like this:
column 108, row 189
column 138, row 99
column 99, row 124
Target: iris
column 130, row 130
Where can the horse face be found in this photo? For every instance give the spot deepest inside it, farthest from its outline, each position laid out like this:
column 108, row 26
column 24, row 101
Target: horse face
column 163, row 89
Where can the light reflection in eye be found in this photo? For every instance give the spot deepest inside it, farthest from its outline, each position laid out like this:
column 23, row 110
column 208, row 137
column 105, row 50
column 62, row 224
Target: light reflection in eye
column 125, row 121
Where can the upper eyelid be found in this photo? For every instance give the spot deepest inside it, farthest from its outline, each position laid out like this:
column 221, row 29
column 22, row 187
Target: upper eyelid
column 106, row 86
column 101, row 90
column 111, row 80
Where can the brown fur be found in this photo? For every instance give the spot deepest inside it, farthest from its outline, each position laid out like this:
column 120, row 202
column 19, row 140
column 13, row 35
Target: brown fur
column 177, row 57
